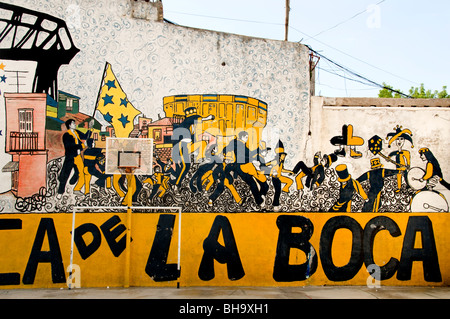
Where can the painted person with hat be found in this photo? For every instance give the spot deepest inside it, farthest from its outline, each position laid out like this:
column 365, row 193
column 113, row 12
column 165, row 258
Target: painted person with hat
column 185, row 144
column 433, row 169
column 73, row 145
column 315, row 175
column 347, row 189
column 243, row 164
column 261, row 157
column 402, row 157
column 94, row 161
column 276, row 174
column 376, row 180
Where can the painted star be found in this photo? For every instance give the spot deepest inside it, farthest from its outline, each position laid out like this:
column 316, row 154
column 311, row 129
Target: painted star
column 124, row 120
column 107, row 99
column 123, row 102
column 3, row 78
column 2, row 67
column 108, row 117
column 111, row 84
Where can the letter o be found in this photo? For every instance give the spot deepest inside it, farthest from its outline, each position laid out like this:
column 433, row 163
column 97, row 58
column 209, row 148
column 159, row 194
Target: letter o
column 348, row 271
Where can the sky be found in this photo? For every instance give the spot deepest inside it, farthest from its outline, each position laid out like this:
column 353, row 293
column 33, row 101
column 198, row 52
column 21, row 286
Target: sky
column 400, row 42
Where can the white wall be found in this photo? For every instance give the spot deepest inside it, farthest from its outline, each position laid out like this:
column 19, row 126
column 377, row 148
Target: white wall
column 429, row 126
column 153, row 59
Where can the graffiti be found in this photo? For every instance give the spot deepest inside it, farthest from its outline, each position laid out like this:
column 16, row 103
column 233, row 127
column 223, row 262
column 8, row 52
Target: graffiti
column 210, row 152
column 265, row 200
column 433, row 173
column 116, row 246
column 217, row 186
column 234, row 251
column 282, row 270
column 375, row 178
column 73, row 160
column 46, row 40
column 201, row 167
column 211, row 158
column 347, row 139
column 227, row 254
column 113, row 104
column 37, row 202
column 360, row 238
column 157, row 267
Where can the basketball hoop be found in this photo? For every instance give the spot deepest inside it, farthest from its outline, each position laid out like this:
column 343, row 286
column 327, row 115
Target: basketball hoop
column 129, row 156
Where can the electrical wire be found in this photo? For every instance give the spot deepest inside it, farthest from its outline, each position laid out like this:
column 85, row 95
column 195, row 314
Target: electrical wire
column 223, row 18
column 361, row 78
column 345, row 21
column 355, row 58
column 303, row 33
column 345, row 77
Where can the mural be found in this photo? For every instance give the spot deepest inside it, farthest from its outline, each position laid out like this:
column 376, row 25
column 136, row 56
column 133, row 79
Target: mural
column 212, row 159
column 219, row 249
column 209, row 152
column 215, row 154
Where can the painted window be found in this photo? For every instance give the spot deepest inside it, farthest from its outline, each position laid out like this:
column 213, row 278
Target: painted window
column 26, row 120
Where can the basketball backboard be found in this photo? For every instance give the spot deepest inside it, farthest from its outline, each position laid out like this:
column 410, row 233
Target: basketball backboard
column 129, row 154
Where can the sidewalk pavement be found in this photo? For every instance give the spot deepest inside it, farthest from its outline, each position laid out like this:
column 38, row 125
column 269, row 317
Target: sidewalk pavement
column 308, row 292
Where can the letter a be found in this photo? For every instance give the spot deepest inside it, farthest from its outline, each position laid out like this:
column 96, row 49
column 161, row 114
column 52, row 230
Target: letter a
column 427, row 254
column 215, row 251
column 53, row 256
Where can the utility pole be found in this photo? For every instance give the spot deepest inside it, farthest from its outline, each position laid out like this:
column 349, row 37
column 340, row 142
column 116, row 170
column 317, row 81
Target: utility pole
column 286, row 26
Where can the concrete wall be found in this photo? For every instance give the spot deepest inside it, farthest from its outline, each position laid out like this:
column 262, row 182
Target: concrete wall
column 152, row 59
column 225, row 249
column 427, row 121
column 308, row 218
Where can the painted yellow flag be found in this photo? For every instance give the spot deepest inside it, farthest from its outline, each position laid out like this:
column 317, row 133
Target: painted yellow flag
column 113, row 104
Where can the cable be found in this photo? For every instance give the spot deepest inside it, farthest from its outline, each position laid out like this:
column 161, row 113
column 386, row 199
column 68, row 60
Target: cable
column 339, row 89
column 313, row 37
column 223, row 18
column 371, row 65
column 360, row 77
column 345, row 77
column 340, row 23
column 301, row 32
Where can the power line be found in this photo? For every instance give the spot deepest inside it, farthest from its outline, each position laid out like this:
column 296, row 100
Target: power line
column 345, row 21
column 309, row 37
column 371, row 65
column 346, row 77
column 223, row 18
column 359, row 78
column 301, row 32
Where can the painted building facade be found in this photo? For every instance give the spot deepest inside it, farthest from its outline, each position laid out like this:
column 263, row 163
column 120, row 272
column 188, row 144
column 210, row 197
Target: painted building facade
column 25, row 141
column 240, row 149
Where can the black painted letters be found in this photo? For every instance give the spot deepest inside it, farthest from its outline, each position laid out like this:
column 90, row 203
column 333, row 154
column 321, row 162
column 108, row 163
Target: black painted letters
column 215, row 251
column 282, row 271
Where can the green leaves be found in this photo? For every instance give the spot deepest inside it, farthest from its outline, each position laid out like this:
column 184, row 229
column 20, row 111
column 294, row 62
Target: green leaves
column 415, row 92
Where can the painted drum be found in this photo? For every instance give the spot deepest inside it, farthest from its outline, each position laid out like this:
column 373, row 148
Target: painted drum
column 429, row 202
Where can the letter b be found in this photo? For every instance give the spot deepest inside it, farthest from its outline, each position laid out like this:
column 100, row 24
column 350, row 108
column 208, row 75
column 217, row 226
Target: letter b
column 282, row 271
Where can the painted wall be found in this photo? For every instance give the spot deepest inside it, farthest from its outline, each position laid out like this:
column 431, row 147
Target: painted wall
column 237, row 146
column 252, row 249
column 424, row 125
column 151, row 60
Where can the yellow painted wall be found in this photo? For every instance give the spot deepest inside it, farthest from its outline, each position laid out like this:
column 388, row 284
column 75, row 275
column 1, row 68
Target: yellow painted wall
column 256, row 236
